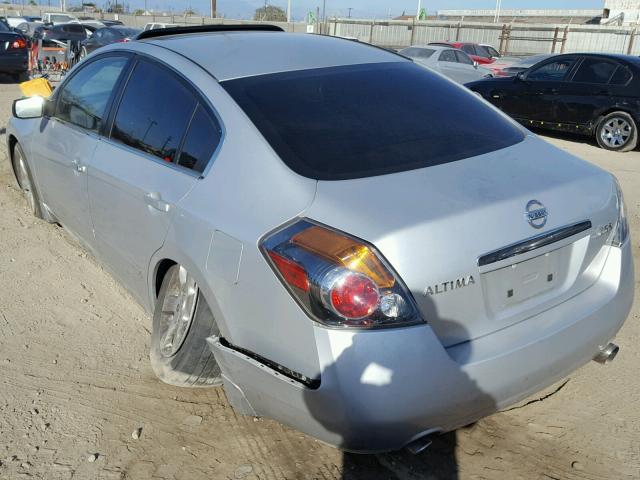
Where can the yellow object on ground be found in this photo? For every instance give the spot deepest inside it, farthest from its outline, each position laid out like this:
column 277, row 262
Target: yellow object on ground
column 37, row 86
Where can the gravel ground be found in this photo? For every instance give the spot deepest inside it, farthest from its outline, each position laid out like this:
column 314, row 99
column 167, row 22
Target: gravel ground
column 78, row 398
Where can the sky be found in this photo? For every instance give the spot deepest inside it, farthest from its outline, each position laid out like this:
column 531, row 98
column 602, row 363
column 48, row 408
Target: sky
column 361, row 8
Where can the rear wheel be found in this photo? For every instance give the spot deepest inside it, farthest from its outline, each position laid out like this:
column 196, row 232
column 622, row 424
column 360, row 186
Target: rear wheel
column 182, row 322
column 25, row 180
column 617, row 132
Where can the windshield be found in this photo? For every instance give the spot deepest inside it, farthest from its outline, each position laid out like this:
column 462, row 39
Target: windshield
column 364, row 120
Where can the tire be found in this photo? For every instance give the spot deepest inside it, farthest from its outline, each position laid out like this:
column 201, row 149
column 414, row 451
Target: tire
column 25, row 181
column 183, row 359
column 617, row 132
column 83, row 53
column 21, row 77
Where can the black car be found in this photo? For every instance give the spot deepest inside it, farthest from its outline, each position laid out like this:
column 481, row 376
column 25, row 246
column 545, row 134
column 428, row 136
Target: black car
column 107, row 36
column 591, row 94
column 14, row 52
column 63, row 32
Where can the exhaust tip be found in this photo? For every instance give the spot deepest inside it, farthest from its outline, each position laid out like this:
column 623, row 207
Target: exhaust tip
column 607, row 354
column 422, row 442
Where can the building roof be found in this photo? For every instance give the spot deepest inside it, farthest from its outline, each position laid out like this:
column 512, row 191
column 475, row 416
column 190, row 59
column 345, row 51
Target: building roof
column 228, row 55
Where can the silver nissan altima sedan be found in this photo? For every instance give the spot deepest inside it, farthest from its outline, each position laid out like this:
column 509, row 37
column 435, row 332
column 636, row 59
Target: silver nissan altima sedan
column 345, row 241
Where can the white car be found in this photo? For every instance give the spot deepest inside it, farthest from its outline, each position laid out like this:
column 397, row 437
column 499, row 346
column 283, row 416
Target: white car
column 155, row 26
column 451, row 62
column 58, row 18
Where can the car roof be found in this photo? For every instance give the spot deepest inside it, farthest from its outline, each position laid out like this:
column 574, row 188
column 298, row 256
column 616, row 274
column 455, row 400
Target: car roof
column 433, row 47
column 614, row 56
column 236, row 54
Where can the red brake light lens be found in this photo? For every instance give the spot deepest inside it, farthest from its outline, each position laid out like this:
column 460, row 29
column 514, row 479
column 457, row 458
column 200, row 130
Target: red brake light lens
column 19, row 43
column 339, row 280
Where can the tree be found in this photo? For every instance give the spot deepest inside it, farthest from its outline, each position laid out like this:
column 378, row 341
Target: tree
column 33, row 3
column 270, row 13
column 189, row 11
column 139, row 12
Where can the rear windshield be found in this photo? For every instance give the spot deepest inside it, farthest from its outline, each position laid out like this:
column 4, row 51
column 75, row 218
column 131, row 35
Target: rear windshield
column 417, row 52
column 364, row 120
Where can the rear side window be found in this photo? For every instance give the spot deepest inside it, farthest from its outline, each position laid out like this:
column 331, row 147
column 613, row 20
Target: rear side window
column 154, row 119
column 595, row 70
column 621, row 77
column 201, row 141
column 464, row 58
column 448, row 56
column 468, row 49
column 553, row 71
column 83, row 100
column 364, row 120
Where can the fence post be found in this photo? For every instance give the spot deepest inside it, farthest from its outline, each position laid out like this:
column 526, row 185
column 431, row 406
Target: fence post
column 458, row 31
column 632, row 38
column 371, row 32
column 413, row 32
column 507, row 39
column 555, row 40
column 502, row 36
column 565, row 35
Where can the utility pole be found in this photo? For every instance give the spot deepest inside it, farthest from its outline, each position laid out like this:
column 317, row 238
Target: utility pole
column 288, row 11
column 350, row 8
column 419, row 10
column 214, row 8
column 496, row 18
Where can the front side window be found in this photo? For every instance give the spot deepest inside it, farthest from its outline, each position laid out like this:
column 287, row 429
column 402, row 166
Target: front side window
column 364, row 120
column 83, row 99
column 595, row 70
column 553, row 71
column 154, row 120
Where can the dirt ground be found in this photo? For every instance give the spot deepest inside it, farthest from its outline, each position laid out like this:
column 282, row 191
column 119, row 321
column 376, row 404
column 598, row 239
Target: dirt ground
column 75, row 384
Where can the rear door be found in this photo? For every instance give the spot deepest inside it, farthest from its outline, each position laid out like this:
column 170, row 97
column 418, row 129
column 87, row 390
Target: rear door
column 151, row 160
column 69, row 137
column 590, row 91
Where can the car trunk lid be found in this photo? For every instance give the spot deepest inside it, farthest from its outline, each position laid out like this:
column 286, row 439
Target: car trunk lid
column 458, row 236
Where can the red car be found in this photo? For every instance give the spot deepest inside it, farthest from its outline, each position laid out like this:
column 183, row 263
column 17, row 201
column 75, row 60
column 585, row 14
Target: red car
column 477, row 52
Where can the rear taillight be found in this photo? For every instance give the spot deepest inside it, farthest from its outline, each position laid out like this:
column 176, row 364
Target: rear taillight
column 621, row 229
column 18, row 43
column 339, row 280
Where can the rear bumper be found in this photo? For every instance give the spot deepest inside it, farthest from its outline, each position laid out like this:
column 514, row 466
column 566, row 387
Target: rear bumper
column 381, row 389
column 14, row 62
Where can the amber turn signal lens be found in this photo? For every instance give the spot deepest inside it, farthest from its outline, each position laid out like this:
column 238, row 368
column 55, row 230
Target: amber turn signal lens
column 344, row 251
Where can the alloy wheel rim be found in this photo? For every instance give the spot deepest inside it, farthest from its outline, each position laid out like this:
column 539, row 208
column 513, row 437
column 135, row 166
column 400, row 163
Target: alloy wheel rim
column 616, row 132
column 178, row 308
column 24, row 181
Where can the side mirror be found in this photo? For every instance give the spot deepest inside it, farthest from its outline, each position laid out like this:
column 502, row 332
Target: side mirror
column 521, row 76
column 32, row 107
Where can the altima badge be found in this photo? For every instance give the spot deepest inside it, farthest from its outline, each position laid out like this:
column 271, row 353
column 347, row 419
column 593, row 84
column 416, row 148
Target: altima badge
column 536, row 214
column 448, row 286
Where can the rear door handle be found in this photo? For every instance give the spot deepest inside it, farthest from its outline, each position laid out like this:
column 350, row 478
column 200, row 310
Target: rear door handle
column 154, row 200
column 78, row 167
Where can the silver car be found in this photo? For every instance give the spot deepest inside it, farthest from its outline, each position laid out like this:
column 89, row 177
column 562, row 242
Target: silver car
column 451, row 62
column 347, row 242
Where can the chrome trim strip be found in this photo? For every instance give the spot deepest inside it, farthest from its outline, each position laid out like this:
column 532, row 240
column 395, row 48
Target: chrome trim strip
column 533, row 243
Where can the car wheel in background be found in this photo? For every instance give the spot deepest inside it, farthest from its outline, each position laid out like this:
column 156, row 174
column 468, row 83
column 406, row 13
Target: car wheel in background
column 21, row 77
column 25, row 180
column 618, row 132
column 83, row 52
column 182, row 321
